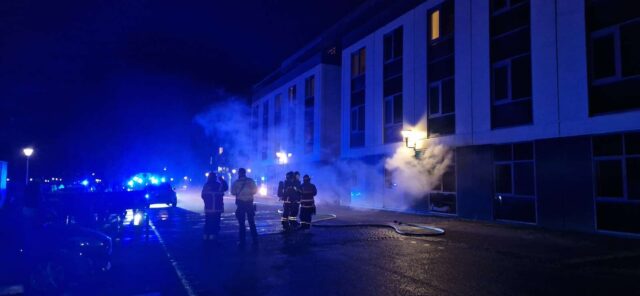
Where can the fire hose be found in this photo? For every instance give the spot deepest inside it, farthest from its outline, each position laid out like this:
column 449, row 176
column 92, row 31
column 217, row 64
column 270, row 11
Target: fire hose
column 402, row 228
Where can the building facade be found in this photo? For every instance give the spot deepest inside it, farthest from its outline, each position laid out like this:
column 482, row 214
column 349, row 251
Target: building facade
column 293, row 115
column 536, row 99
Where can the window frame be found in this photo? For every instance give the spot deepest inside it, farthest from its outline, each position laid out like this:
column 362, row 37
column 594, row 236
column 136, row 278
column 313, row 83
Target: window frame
column 617, row 55
column 357, row 111
column 512, row 194
column 506, row 8
column 393, row 33
column 440, row 99
column 508, row 63
column 360, row 69
column 441, row 190
column 309, row 121
column 615, row 31
column 623, row 158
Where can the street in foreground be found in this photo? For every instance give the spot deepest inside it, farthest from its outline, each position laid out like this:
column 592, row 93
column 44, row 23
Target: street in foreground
column 470, row 259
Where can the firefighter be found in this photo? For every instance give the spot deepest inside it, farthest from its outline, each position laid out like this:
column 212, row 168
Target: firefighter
column 212, row 195
column 289, row 192
column 282, row 197
column 308, row 206
column 244, row 188
column 295, row 201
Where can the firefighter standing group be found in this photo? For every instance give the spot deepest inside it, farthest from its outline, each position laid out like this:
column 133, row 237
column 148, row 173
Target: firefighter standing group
column 297, row 197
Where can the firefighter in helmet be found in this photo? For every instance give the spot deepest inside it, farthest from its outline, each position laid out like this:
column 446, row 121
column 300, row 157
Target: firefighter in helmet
column 307, row 203
column 289, row 193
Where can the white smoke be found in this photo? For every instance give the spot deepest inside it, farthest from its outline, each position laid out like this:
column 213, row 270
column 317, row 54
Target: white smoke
column 229, row 124
column 416, row 176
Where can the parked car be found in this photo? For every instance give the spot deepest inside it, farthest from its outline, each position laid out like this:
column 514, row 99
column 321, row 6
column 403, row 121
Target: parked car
column 161, row 194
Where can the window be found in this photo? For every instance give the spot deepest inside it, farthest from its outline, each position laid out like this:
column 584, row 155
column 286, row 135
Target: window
column 613, row 27
column 393, row 45
column 440, row 71
column 358, row 62
column 277, row 110
column 616, row 172
column 442, row 198
column 392, row 86
column 435, row 24
column 388, row 179
column 510, row 63
column 292, row 116
column 616, row 159
column 514, row 172
column 357, row 123
column 309, row 109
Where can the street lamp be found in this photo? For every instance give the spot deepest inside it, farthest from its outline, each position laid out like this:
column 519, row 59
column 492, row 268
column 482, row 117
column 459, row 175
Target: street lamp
column 27, row 152
column 412, row 137
column 283, row 157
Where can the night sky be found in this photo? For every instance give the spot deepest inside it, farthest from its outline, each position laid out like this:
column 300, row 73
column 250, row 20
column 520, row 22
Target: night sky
column 112, row 87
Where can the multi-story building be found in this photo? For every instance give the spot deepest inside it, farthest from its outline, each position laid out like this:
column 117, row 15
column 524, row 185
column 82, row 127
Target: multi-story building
column 538, row 100
column 293, row 112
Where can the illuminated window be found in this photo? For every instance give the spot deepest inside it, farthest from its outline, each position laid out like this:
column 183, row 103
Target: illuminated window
column 435, row 25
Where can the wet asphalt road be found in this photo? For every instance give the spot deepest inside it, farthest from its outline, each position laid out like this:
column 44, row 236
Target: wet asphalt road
column 472, row 258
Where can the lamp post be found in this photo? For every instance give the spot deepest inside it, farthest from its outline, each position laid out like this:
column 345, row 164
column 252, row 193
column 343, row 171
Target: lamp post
column 27, row 152
column 411, row 139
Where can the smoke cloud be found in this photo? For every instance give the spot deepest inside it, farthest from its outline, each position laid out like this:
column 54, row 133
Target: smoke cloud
column 419, row 175
column 362, row 183
column 227, row 124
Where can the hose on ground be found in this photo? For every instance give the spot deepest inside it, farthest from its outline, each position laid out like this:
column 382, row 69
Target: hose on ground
column 402, row 228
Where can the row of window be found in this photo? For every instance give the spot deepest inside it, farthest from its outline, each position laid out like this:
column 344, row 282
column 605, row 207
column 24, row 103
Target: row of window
column 616, row 179
column 614, row 67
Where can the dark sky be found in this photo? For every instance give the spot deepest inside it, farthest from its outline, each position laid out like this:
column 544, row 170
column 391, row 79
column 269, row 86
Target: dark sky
column 113, row 86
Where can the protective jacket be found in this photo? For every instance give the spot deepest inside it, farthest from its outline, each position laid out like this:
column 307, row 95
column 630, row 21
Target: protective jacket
column 212, row 195
column 308, row 192
column 244, row 189
column 289, row 191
